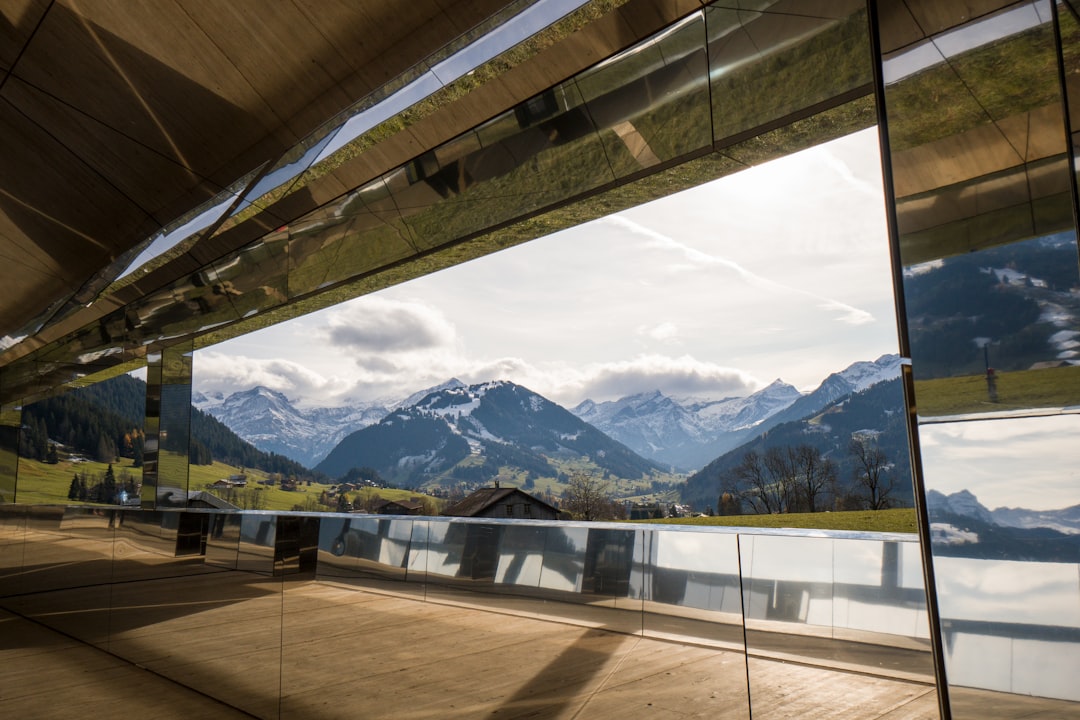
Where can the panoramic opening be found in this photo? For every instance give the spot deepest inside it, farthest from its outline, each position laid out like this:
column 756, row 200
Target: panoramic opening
column 729, row 350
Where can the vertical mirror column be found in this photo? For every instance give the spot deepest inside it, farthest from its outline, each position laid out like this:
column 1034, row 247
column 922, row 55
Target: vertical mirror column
column 167, row 427
column 1068, row 27
column 10, row 422
column 978, row 155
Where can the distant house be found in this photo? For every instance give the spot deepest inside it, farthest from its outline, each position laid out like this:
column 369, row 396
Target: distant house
column 399, row 507
column 500, row 502
column 231, row 481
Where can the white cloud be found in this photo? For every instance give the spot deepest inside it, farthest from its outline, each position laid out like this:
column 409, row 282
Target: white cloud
column 665, row 331
column 681, row 376
column 844, row 312
column 375, row 324
column 227, row 373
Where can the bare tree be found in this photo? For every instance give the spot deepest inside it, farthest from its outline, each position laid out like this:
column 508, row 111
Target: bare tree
column 588, row 498
column 871, row 473
column 761, row 481
column 815, row 477
column 784, row 479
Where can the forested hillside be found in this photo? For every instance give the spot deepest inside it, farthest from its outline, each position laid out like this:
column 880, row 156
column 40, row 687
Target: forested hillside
column 873, row 416
column 104, row 421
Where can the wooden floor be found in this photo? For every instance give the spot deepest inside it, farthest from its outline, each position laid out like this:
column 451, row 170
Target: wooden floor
column 46, row 675
column 346, row 653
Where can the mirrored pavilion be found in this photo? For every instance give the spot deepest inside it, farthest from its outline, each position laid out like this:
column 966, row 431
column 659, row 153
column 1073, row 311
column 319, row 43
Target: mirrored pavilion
column 178, row 173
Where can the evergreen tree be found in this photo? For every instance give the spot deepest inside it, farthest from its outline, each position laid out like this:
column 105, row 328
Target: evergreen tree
column 106, row 449
column 51, row 456
column 41, row 445
column 107, row 491
column 73, row 489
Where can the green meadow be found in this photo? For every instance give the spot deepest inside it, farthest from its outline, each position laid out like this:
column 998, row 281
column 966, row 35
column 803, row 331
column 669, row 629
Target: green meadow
column 900, row 520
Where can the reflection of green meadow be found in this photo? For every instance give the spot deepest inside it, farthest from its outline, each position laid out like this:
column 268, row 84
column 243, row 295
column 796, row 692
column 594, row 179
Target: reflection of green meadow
column 43, row 484
column 898, row 520
column 1019, row 390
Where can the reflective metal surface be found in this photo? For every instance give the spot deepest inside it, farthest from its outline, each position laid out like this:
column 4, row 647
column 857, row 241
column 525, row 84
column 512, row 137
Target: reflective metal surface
column 174, row 427
column 844, row 603
column 10, row 422
column 315, row 227
column 1002, row 500
column 159, row 588
column 257, row 543
column 984, row 205
column 772, row 60
column 693, row 588
column 1068, row 22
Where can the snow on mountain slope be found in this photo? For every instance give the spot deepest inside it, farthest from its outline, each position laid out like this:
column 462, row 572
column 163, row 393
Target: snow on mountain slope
column 270, row 422
column 499, row 423
column 689, row 433
column 676, row 433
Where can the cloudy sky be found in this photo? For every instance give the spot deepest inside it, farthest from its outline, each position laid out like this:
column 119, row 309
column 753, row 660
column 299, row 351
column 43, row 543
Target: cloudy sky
column 780, row 271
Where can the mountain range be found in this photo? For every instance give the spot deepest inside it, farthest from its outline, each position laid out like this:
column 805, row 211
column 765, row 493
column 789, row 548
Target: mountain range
column 826, row 420
column 686, row 435
column 471, row 432
column 270, row 422
column 961, row 526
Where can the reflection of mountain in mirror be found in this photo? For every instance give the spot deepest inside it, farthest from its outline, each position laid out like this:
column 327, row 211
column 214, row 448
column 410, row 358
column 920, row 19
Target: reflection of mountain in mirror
column 996, row 330
column 961, row 526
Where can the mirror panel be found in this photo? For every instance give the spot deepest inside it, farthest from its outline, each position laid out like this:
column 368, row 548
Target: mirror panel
column 67, row 565
column 10, row 424
column 223, row 540
column 257, row 539
column 1002, row 499
column 984, row 208
column 12, row 542
column 694, row 590
column 768, row 60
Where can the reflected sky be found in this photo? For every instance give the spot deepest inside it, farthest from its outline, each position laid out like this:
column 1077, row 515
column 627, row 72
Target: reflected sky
column 956, row 42
column 696, row 552
column 1009, row 591
column 1019, row 462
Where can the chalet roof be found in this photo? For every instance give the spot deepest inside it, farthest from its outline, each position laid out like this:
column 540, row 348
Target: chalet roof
column 409, row 504
column 482, row 499
column 200, row 498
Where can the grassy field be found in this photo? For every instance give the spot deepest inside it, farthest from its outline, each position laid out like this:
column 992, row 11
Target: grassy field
column 899, row 520
column 1019, row 390
column 40, row 483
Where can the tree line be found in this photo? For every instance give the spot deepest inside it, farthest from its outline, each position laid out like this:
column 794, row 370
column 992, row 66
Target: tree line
column 799, row 478
column 103, row 422
column 106, row 487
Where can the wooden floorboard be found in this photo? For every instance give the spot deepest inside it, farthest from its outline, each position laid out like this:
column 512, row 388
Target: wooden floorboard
column 338, row 652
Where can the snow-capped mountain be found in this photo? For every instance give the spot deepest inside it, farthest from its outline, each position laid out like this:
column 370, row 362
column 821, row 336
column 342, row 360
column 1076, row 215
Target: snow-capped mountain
column 451, row 384
column 745, row 412
column 491, row 425
column 961, row 526
column 853, row 379
column 873, row 412
column 688, row 434
column 270, row 422
column 965, row 504
column 683, row 434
